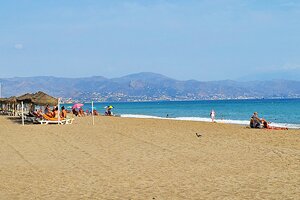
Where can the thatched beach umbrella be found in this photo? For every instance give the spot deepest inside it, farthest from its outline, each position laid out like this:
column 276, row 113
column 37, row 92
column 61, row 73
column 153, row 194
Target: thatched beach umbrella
column 3, row 100
column 26, row 98
column 11, row 100
column 39, row 98
column 42, row 99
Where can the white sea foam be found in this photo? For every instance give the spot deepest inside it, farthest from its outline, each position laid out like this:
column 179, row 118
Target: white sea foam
column 225, row 121
column 141, row 116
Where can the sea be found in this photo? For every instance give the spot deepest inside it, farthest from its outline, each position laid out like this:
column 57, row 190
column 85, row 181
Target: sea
column 280, row 112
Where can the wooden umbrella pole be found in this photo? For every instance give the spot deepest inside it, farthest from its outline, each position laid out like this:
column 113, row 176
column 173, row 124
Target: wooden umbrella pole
column 93, row 113
column 22, row 113
column 58, row 110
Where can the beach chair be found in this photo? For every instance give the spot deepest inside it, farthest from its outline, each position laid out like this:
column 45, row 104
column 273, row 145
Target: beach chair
column 49, row 120
column 43, row 121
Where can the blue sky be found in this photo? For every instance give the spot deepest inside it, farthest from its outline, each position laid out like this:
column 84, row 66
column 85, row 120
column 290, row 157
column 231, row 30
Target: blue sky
column 182, row 39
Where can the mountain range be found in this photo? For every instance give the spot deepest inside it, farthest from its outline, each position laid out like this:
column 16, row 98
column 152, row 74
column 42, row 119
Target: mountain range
column 148, row 87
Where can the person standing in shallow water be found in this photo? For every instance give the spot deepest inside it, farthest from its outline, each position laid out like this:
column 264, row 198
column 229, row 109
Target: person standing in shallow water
column 212, row 115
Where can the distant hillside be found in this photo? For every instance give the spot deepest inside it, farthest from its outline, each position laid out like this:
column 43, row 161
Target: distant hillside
column 148, row 86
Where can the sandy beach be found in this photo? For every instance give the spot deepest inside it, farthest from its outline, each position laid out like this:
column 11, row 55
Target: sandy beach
column 126, row 158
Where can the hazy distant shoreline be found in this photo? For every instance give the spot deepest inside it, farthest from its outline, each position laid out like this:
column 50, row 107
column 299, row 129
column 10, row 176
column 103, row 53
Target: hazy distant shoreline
column 148, row 87
column 75, row 101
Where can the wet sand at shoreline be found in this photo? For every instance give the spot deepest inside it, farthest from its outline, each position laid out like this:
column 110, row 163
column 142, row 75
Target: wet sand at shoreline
column 127, row 158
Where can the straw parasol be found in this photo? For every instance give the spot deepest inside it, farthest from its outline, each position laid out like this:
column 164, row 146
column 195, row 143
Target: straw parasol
column 12, row 99
column 26, row 98
column 3, row 100
column 8, row 101
column 42, row 99
column 11, row 102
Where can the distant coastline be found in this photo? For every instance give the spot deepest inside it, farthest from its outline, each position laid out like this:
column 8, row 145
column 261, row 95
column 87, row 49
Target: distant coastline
column 145, row 87
column 153, row 101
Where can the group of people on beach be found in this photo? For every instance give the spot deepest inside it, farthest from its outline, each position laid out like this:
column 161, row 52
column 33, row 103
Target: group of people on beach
column 256, row 122
column 47, row 111
column 81, row 113
column 54, row 112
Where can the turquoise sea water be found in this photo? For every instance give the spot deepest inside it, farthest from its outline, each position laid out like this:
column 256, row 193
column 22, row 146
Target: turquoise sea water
column 281, row 112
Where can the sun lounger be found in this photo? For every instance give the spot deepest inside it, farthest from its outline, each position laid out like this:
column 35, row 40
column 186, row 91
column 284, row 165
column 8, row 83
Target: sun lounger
column 48, row 120
column 43, row 121
column 29, row 119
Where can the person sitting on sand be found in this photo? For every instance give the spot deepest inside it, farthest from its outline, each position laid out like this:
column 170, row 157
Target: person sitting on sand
column 75, row 112
column 255, row 121
column 95, row 112
column 63, row 113
column 108, row 111
column 267, row 126
column 81, row 113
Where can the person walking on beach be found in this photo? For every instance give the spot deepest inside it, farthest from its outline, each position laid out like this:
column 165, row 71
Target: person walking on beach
column 212, row 115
